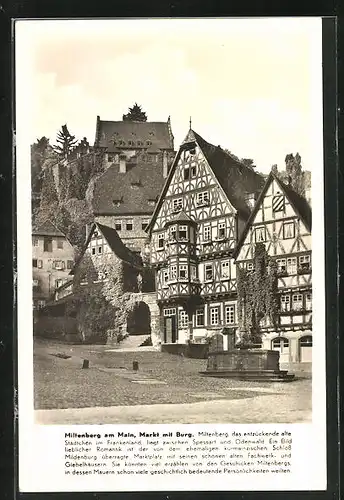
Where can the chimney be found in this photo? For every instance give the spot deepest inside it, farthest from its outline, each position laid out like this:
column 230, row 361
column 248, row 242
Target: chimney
column 122, row 165
column 164, row 165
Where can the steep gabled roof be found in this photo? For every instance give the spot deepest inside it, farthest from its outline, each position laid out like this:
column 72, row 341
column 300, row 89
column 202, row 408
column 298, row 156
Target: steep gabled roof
column 235, row 178
column 299, row 204
column 116, row 245
column 47, row 228
column 135, row 190
column 110, row 133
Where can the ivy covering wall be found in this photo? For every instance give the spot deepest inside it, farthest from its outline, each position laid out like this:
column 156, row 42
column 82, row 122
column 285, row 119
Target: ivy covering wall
column 257, row 296
column 102, row 305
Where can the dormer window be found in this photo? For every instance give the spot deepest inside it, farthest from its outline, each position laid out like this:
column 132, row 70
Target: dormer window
column 151, row 202
column 203, row 198
column 136, row 184
column 121, row 143
column 117, row 202
column 148, row 143
column 130, row 143
column 140, row 143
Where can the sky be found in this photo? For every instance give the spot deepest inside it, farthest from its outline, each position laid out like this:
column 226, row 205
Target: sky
column 252, row 86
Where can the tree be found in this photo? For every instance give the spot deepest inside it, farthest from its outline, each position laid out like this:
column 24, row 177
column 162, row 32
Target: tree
column 135, row 114
column 49, row 197
column 39, row 153
column 295, row 173
column 257, row 296
column 65, row 143
column 231, row 154
column 248, row 162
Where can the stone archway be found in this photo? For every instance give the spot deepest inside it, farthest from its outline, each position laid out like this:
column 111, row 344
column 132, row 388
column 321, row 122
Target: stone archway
column 149, row 299
column 139, row 320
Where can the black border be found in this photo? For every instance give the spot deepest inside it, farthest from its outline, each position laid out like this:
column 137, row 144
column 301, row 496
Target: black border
column 123, row 8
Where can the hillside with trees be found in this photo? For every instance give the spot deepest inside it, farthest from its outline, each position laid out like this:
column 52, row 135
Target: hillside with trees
column 60, row 177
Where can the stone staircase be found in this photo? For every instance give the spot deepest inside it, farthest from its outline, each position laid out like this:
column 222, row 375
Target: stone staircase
column 133, row 343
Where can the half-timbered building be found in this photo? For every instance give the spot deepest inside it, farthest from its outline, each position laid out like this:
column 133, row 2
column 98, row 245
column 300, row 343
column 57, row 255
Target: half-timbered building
column 281, row 220
column 198, row 220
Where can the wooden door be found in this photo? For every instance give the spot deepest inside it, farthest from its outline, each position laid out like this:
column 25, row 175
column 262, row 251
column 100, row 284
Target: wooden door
column 170, row 330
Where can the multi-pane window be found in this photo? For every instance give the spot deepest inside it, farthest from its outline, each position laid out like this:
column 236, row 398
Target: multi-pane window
column 161, row 240
column 183, row 271
column 165, row 276
column 214, row 316
column 207, row 233
column 259, row 233
column 249, row 266
column 225, row 269
column 183, row 232
column 60, row 243
column 285, row 302
column 59, row 265
column 118, row 225
column 208, row 272
column 183, row 319
column 129, row 225
column 144, row 224
column 291, row 265
column 193, row 272
column 230, row 315
column 170, row 311
column 297, row 300
column 173, row 232
column 203, row 198
column 308, row 301
column 177, row 204
column 200, row 317
column 281, row 265
column 221, row 230
column 305, row 262
column 288, row 230
column 173, row 272
column 35, row 241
